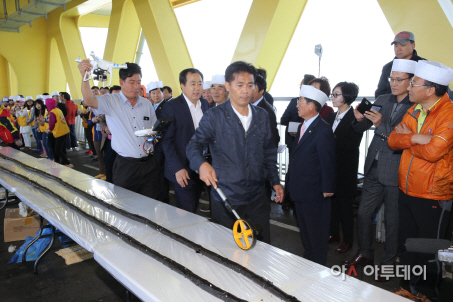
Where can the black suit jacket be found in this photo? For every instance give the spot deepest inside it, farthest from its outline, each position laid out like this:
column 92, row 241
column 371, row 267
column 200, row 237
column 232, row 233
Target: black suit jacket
column 159, row 109
column 313, row 163
column 347, row 144
column 290, row 115
column 178, row 135
column 272, row 119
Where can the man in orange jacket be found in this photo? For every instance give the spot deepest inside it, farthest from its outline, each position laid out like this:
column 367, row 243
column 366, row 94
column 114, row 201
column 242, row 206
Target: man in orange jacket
column 424, row 178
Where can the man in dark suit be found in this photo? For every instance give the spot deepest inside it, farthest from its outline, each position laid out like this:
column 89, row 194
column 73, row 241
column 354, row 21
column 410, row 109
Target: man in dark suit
column 156, row 97
column 313, row 174
column 186, row 111
column 381, row 168
column 257, row 100
column 291, row 115
column 168, row 93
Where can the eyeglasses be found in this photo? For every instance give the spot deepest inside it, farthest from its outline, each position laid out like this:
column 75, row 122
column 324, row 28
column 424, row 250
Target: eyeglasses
column 399, row 81
column 411, row 83
column 335, row 95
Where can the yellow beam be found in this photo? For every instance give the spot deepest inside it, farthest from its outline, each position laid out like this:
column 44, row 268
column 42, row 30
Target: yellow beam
column 57, row 78
column 123, row 35
column 267, row 33
column 427, row 21
column 165, row 40
column 179, row 3
column 4, row 89
column 12, row 80
column 91, row 20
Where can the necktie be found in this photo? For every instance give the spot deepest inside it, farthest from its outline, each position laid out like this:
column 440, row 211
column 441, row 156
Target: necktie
column 302, row 131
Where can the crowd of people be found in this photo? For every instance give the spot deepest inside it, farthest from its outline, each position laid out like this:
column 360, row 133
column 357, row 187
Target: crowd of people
column 224, row 134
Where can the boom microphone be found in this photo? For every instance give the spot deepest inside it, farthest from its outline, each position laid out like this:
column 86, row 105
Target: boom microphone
column 426, row 246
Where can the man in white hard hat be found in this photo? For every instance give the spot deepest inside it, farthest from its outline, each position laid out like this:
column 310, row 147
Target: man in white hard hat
column 313, row 174
column 207, row 93
column 218, row 91
column 425, row 198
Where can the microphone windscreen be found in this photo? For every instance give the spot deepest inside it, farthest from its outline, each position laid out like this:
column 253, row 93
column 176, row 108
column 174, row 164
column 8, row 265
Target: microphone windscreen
column 426, row 246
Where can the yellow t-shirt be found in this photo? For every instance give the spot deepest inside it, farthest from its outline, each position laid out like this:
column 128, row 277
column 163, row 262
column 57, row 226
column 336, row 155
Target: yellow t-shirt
column 44, row 127
column 422, row 116
column 61, row 127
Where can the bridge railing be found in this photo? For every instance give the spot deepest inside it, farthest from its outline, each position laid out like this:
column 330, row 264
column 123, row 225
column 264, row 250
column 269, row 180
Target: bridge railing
column 280, row 104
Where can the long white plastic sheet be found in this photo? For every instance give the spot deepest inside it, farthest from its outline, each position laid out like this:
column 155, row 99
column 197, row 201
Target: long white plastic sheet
column 147, row 278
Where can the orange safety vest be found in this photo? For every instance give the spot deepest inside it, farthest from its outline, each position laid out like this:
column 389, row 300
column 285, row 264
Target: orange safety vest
column 61, row 128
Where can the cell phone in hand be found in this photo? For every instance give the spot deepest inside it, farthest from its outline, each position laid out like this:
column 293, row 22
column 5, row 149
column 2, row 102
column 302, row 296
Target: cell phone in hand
column 366, row 105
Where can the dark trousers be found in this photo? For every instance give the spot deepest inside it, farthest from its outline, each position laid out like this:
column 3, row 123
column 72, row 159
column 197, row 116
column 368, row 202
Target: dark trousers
column 342, row 214
column 421, row 218
column 38, row 141
column 314, row 219
column 13, row 145
column 163, row 194
column 89, row 138
column 109, row 160
column 138, row 175
column 374, row 194
column 187, row 198
column 58, row 145
column 257, row 212
column 71, row 142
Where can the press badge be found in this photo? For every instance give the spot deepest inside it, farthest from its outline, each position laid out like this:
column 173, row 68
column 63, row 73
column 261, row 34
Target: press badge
column 146, row 118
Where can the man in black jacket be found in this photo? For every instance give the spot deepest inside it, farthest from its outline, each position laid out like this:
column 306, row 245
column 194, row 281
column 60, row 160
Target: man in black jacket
column 404, row 46
column 244, row 155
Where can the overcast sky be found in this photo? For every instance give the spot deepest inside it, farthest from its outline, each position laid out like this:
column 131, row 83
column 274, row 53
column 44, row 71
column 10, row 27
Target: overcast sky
column 354, row 34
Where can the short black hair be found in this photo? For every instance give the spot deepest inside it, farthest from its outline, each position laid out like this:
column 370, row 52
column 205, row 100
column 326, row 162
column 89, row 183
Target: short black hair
column 66, row 96
column 318, row 106
column 323, row 83
column 440, row 89
column 45, row 93
column 161, row 89
column 131, row 69
column 260, row 79
column 183, row 75
column 168, row 89
column 308, row 78
column 95, row 87
column 238, row 67
column 105, row 87
column 115, row 87
column 349, row 90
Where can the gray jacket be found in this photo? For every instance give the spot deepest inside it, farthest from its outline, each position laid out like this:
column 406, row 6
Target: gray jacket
column 389, row 160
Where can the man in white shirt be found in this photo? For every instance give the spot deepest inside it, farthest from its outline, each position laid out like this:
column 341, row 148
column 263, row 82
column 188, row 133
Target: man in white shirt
column 125, row 113
column 186, row 111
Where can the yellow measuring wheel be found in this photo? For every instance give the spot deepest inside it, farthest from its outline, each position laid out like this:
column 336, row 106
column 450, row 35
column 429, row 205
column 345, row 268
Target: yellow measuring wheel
column 244, row 232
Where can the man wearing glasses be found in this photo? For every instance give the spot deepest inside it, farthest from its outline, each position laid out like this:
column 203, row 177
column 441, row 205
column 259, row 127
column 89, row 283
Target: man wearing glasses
column 381, row 168
column 404, row 47
column 425, row 182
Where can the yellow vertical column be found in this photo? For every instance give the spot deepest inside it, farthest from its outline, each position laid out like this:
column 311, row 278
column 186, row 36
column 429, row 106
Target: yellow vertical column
column 267, row 32
column 4, row 89
column 165, row 40
column 429, row 23
column 12, row 80
column 123, row 35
